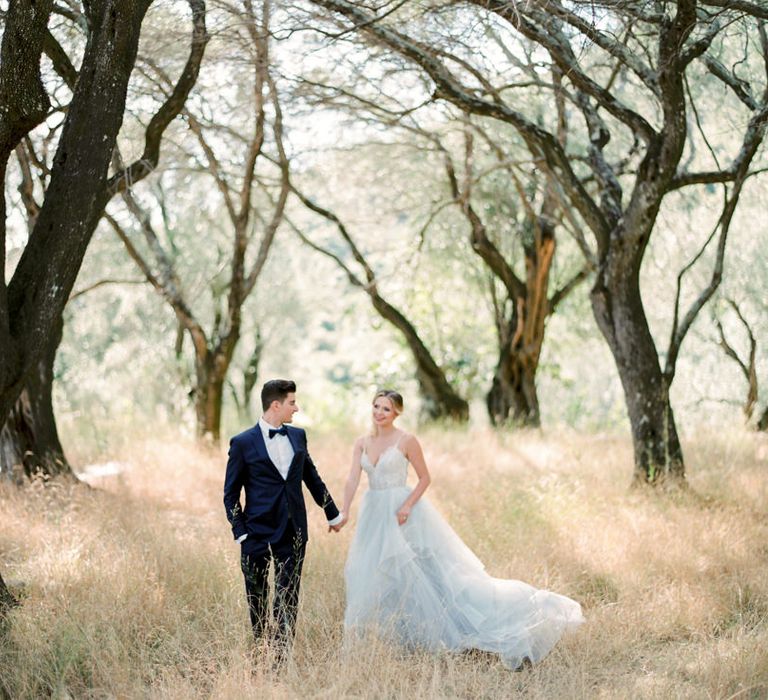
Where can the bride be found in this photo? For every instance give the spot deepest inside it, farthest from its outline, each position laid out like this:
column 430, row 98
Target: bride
column 410, row 577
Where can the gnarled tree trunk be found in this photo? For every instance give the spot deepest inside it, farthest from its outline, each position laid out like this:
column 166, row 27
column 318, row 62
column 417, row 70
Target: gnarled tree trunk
column 75, row 196
column 513, row 392
column 77, row 191
column 618, row 309
column 513, row 396
column 29, row 440
column 209, row 396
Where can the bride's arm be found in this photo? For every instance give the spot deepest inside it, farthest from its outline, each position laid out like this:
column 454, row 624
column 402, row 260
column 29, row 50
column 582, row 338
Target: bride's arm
column 353, row 480
column 415, row 456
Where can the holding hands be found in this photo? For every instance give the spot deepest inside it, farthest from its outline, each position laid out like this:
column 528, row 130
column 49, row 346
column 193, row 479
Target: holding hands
column 337, row 527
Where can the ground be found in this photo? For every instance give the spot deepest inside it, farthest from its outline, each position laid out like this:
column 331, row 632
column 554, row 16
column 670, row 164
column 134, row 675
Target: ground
column 132, row 588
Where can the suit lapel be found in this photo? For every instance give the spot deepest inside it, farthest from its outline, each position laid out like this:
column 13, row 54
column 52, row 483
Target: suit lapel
column 258, row 439
column 293, row 439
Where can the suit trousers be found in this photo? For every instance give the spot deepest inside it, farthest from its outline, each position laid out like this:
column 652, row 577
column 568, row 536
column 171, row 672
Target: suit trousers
column 287, row 558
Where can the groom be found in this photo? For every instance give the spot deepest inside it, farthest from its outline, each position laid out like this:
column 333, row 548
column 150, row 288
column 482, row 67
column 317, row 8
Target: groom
column 269, row 462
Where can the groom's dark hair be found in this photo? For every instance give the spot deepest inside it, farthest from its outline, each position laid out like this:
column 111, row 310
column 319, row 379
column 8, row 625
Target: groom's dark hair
column 276, row 390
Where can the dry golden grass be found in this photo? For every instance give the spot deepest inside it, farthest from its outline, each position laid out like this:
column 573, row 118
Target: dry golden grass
column 134, row 590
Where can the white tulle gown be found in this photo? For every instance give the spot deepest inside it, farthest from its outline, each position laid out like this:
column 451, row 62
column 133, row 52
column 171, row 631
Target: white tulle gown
column 421, row 586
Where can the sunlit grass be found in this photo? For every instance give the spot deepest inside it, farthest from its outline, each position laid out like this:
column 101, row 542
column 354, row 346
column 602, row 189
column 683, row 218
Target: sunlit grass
column 133, row 589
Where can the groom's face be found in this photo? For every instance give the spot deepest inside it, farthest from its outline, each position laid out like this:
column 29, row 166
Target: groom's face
column 287, row 408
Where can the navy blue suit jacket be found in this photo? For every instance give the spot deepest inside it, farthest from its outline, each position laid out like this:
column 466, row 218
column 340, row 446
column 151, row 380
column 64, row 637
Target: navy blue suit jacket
column 271, row 502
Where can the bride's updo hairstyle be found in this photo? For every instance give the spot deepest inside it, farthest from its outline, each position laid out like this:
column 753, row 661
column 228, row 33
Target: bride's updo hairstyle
column 395, row 398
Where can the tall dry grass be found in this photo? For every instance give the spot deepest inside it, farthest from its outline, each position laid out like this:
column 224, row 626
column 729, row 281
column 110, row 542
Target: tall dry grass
column 133, row 589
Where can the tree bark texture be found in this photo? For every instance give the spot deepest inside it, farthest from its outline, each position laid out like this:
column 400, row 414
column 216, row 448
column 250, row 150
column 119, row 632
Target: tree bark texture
column 23, row 105
column 513, row 393
column 211, row 368
column 29, row 440
column 76, row 193
column 618, row 309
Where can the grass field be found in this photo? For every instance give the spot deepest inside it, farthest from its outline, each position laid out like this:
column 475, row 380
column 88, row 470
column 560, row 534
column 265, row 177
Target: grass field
column 133, row 589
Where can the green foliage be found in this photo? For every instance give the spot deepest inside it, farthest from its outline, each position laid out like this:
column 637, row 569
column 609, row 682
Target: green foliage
column 388, row 184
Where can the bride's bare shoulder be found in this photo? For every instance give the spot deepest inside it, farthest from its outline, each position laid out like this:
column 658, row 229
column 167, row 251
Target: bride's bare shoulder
column 360, row 442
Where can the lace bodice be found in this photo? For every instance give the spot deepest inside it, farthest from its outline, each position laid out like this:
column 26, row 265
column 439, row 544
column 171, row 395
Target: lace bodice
column 389, row 472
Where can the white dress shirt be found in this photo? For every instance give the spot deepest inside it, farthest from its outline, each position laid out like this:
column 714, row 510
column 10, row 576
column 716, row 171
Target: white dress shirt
column 279, row 448
column 281, row 453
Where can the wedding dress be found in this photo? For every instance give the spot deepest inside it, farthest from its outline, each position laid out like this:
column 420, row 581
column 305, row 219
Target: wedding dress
column 421, row 586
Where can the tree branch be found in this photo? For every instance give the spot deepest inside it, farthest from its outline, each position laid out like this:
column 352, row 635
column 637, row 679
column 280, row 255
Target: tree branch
column 741, row 88
column 753, row 138
column 748, row 8
column 569, row 286
column 166, row 283
column 214, row 167
column 540, row 28
column 102, row 283
column 606, row 42
column 481, row 244
column 541, row 143
column 169, row 110
column 278, row 211
column 748, row 369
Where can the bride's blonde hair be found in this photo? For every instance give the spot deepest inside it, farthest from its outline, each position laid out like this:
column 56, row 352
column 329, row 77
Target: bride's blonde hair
column 396, row 400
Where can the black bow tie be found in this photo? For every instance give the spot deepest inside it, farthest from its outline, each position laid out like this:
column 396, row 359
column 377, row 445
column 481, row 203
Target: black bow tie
column 282, row 430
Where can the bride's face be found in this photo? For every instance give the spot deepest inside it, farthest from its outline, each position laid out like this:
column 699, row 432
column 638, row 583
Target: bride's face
column 383, row 412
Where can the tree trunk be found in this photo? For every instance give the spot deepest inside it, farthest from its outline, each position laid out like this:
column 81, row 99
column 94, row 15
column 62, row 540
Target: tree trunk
column 250, row 375
column 209, row 394
column 29, row 440
column 513, row 396
column 438, row 399
column 211, row 368
column 513, row 391
column 77, row 190
column 618, row 309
